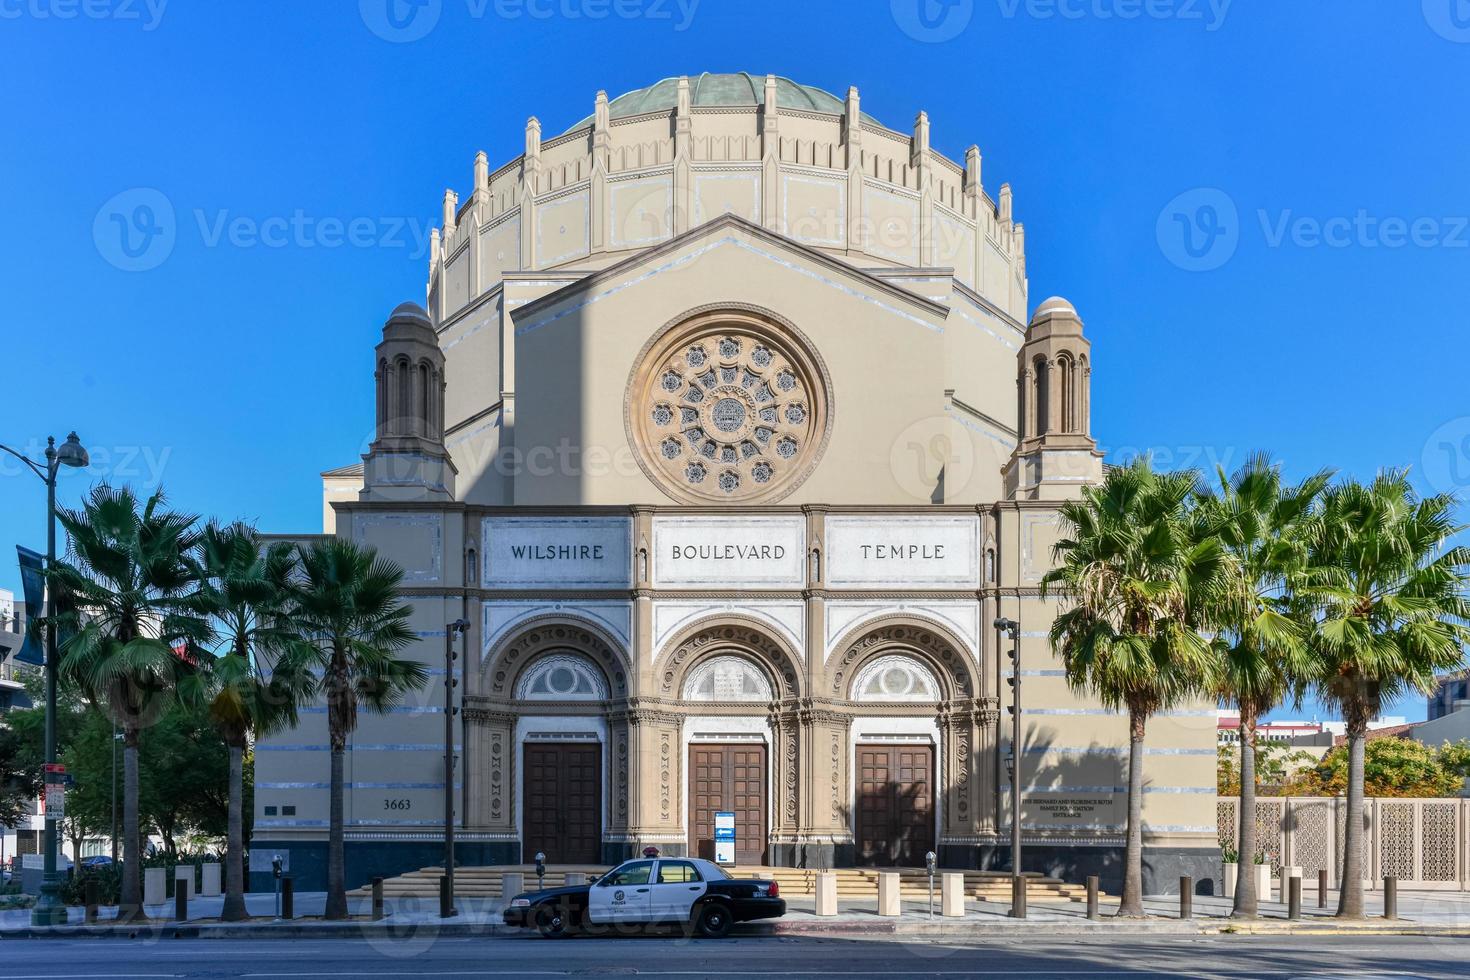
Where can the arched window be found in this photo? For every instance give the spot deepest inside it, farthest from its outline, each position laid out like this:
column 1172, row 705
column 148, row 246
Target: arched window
column 422, row 422
column 1043, row 397
column 727, row 679
column 562, row 677
column 382, row 392
column 1067, row 379
column 405, row 402
column 895, row 678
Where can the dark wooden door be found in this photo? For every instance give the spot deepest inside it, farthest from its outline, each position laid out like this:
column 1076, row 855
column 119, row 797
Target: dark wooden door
column 895, row 805
column 733, row 778
column 562, row 816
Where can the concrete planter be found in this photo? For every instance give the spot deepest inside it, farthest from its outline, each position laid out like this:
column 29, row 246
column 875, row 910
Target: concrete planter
column 1232, row 870
column 155, row 887
column 1263, row 882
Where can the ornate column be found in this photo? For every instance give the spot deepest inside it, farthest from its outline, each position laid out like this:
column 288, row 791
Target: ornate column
column 968, row 729
column 656, row 769
column 787, row 730
column 826, row 827
column 490, row 812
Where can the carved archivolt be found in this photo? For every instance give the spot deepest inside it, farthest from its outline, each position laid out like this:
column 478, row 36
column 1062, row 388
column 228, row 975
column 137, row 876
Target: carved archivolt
column 929, row 644
column 552, row 635
column 730, row 638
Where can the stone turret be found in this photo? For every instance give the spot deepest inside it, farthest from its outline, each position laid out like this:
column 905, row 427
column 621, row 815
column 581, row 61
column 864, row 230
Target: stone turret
column 1056, row 454
column 407, row 459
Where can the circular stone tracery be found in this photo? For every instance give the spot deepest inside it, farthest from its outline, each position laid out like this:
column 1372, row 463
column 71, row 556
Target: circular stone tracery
column 728, row 406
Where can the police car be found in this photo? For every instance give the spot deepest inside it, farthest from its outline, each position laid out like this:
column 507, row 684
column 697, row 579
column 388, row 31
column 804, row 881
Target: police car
column 650, row 890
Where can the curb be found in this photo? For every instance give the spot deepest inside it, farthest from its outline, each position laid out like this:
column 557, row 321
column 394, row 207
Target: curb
column 808, row 929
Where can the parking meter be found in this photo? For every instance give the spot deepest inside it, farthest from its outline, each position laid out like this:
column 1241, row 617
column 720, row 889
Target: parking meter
column 540, row 870
column 931, row 864
column 276, row 873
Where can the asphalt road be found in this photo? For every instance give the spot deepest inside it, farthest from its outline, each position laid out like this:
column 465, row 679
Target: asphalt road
column 1035, row 958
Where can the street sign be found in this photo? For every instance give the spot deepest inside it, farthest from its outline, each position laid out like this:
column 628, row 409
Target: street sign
column 55, row 805
column 724, row 838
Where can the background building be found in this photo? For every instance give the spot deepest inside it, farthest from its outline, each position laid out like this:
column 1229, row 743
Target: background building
column 725, row 427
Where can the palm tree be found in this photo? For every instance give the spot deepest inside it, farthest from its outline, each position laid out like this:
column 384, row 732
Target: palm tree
column 1392, row 610
column 1262, row 524
column 348, row 607
column 1136, row 572
column 257, row 682
column 123, row 589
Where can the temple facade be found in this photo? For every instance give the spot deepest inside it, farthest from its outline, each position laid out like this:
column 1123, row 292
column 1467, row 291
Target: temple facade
column 729, row 428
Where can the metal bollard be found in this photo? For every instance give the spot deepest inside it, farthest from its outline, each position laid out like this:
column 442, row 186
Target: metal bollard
column 378, row 898
column 181, row 901
column 288, row 897
column 1186, row 897
column 1092, row 896
column 446, row 898
column 89, row 894
column 1321, row 888
column 1294, row 898
column 1018, row 896
column 1390, row 898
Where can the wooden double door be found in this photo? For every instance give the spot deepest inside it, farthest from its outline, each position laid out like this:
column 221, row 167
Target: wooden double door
column 562, row 814
column 728, row 778
column 894, row 824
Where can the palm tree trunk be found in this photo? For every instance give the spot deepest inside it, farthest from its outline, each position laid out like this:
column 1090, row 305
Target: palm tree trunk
column 336, row 858
column 1350, row 888
column 234, row 909
column 131, row 899
column 1131, row 905
column 1246, row 899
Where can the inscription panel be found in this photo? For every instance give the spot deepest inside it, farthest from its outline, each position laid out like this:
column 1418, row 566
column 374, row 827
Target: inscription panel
column 557, row 552
column 903, row 552
column 729, row 552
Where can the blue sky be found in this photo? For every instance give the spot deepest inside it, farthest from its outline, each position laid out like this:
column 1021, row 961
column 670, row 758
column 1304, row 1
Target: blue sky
column 1259, row 208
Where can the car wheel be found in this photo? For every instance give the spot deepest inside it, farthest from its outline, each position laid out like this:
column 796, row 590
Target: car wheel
column 551, row 922
column 713, row 921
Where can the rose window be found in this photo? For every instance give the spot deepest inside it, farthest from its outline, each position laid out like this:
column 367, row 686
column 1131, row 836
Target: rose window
column 734, row 408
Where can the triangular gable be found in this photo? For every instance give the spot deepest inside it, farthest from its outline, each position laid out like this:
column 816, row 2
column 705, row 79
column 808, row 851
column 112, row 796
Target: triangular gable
column 728, row 231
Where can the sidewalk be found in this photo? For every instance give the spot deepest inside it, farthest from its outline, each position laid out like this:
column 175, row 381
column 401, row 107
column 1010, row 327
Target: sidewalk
column 417, row 920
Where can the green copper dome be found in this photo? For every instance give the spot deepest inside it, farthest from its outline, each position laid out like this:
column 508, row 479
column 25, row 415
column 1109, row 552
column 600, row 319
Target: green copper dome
column 733, row 89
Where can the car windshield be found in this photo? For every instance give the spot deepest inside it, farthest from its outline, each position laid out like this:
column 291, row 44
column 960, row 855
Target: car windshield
column 632, row 873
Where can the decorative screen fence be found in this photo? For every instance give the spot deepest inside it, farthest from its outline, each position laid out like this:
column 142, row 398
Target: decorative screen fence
column 1422, row 843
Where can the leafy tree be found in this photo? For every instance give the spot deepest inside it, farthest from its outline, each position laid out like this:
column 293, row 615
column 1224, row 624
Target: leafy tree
column 185, row 777
column 1392, row 767
column 127, row 571
column 1261, row 522
column 1137, row 574
column 255, row 689
column 348, row 607
column 1278, row 767
column 1391, row 608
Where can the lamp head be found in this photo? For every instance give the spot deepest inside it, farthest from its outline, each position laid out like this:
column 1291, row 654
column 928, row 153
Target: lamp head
column 460, row 626
column 72, row 452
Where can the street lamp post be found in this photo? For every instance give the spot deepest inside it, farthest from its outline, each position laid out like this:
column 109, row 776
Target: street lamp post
column 459, row 626
column 49, row 911
column 1012, row 629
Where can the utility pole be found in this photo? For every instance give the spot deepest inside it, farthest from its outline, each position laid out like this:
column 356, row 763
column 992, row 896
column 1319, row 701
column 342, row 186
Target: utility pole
column 460, row 626
column 1012, row 629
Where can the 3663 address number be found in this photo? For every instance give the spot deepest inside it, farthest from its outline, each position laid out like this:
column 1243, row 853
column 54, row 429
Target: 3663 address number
column 398, row 804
